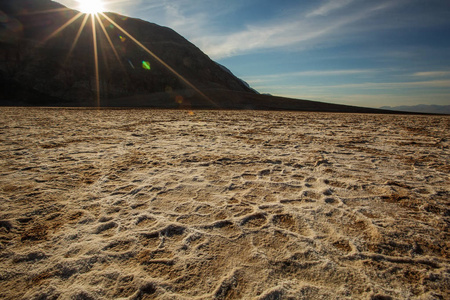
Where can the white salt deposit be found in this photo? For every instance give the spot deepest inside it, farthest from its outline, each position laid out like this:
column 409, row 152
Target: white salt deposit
column 145, row 204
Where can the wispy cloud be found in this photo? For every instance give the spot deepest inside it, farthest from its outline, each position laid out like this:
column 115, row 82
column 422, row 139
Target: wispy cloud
column 300, row 27
column 328, row 7
column 380, row 100
column 291, row 31
column 366, row 94
column 313, row 73
column 396, row 85
column 432, row 74
column 445, row 84
column 255, row 38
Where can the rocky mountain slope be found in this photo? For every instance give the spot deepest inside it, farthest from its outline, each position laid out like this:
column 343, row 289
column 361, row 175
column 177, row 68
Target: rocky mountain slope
column 34, row 66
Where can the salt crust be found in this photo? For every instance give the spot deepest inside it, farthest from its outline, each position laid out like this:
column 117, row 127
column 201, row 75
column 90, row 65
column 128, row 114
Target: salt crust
column 154, row 204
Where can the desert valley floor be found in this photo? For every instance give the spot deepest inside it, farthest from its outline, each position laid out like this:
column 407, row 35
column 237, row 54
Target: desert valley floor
column 166, row 204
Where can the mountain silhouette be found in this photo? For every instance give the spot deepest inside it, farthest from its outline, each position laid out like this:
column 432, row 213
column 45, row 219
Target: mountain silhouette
column 54, row 56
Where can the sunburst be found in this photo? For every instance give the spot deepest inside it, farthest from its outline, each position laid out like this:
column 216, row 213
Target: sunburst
column 94, row 9
column 91, row 6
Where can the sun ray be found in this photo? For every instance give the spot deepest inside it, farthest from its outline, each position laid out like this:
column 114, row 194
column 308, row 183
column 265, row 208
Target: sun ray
column 109, row 40
column 187, row 82
column 61, row 28
column 97, row 75
column 95, row 16
column 83, row 24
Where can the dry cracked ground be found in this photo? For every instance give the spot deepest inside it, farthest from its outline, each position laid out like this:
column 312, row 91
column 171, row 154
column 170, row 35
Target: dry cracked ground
column 160, row 204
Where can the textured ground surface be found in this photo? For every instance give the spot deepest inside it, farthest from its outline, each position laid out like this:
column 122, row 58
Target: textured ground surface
column 143, row 204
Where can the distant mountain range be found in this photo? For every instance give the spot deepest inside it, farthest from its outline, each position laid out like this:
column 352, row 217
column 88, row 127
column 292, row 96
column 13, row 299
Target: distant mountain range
column 47, row 58
column 421, row 108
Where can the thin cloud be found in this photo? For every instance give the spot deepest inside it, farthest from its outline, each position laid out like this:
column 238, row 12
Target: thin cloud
column 255, row 38
column 311, row 74
column 386, row 85
column 429, row 88
column 443, row 84
column 433, row 74
column 379, row 100
column 356, row 97
column 329, row 7
column 395, row 85
column 284, row 33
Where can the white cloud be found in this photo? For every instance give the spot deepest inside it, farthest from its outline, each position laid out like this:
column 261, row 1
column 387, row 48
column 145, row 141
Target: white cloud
column 437, row 90
column 315, row 73
column 379, row 100
column 289, row 32
column 397, row 85
column 431, row 91
column 433, row 74
column 443, row 84
column 255, row 38
column 358, row 97
column 328, row 7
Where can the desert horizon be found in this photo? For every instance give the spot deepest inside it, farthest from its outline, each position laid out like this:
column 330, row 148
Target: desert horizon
column 178, row 204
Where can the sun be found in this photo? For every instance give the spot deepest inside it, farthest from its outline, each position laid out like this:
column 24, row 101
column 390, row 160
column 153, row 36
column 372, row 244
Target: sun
column 91, row 6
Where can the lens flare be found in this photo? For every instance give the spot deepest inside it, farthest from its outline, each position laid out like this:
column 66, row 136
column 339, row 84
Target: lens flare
column 179, row 99
column 146, row 65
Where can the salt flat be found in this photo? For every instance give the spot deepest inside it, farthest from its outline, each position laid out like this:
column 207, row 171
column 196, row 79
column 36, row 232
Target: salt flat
column 154, row 204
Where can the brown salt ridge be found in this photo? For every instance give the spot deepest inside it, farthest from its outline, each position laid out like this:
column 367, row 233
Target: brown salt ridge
column 158, row 204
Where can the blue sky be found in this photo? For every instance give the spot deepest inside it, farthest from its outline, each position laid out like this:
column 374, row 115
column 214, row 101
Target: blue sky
column 359, row 52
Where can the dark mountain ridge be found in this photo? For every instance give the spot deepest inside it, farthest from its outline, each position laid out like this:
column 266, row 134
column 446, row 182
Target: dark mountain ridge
column 47, row 58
